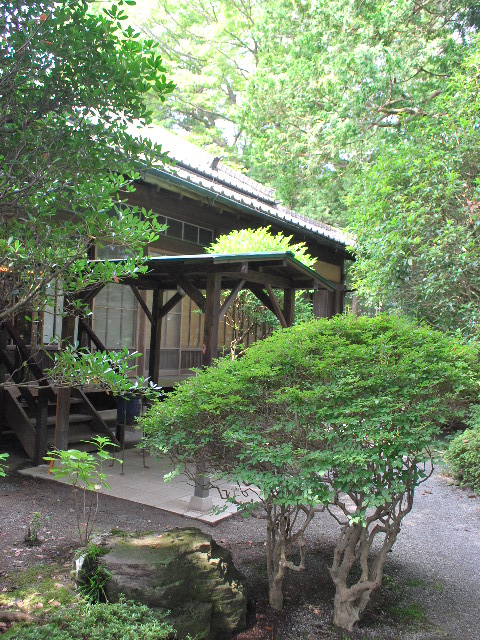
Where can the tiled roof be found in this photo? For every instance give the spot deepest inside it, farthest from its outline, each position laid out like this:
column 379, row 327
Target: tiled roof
column 203, row 171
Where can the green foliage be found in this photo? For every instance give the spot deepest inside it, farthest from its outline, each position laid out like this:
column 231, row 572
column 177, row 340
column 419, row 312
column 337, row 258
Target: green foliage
column 109, row 370
column 92, row 575
column 410, row 613
column 260, row 240
column 415, row 214
column 3, row 467
column 463, row 453
column 33, row 529
column 72, row 86
column 124, row 620
column 317, row 413
column 304, row 92
column 84, row 472
column 351, row 398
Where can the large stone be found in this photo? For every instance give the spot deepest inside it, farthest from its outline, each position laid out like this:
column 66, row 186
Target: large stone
column 184, row 571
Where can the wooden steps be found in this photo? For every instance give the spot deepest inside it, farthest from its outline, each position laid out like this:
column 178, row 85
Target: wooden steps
column 84, row 421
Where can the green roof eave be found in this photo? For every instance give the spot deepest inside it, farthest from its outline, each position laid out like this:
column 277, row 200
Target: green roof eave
column 259, row 256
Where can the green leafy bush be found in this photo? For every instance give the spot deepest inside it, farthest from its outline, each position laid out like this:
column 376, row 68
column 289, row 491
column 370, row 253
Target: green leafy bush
column 124, row 620
column 463, row 453
column 3, row 467
column 340, row 413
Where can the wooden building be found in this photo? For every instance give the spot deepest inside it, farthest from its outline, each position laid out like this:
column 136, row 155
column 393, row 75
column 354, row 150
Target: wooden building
column 175, row 314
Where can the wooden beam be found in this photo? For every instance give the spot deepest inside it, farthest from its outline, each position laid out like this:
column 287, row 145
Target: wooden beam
column 320, row 303
column 170, row 304
column 90, row 294
column 331, row 304
column 155, row 337
column 195, row 294
column 91, row 334
column 266, row 279
column 339, row 299
column 98, row 423
column 289, row 306
column 277, row 310
column 17, row 420
column 68, row 329
column 229, row 299
column 62, row 423
column 212, row 314
column 262, row 296
column 24, row 351
column 25, row 392
column 141, row 302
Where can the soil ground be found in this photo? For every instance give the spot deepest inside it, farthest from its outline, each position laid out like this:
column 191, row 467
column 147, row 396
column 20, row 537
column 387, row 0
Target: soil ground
column 431, row 588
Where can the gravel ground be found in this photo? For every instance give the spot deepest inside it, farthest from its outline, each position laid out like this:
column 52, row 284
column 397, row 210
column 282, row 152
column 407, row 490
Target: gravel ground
column 432, row 584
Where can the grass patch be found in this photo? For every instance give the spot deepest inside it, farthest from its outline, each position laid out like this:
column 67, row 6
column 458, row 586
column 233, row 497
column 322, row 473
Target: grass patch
column 39, row 589
column 395, row 603
column 417, row 583
column 410, row 613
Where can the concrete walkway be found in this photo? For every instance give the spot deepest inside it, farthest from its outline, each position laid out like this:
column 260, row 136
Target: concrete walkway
column 145, row 484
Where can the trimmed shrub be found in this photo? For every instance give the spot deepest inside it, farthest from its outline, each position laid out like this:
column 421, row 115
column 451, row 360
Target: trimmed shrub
column 337, row 414
column 463, row 454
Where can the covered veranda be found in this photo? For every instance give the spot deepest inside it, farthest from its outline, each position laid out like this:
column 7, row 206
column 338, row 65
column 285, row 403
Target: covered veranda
column 213, row 282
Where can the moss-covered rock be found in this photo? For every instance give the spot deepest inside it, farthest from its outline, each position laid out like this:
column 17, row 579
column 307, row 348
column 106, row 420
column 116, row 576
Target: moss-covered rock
column 184, row 571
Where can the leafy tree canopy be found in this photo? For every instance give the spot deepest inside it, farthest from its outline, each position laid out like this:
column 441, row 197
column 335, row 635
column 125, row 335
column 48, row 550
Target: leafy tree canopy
column 415, row 214
column 305, row 91
column 71, row 83
column 252, row 240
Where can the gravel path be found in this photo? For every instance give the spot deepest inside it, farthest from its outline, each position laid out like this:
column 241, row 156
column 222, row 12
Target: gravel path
column 440, row 545
column 433, row 571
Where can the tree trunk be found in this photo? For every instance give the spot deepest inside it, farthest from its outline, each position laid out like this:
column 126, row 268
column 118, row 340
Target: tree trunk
column 275, row 594
column 345, row 613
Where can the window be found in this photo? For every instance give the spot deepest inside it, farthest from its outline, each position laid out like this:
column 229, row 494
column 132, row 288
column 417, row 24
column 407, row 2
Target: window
column 115, row 317
column 186, row 231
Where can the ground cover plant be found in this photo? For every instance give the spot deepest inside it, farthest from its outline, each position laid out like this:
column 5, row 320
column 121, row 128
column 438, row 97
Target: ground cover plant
column 124, row 620
column 334, row 413
column 3, row 466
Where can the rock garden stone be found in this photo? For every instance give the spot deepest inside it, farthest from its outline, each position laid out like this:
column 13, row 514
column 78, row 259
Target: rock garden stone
column 184, row 571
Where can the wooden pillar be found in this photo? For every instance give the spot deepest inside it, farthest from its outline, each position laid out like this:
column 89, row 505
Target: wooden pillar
column 62, row 423
column 331, row 298
column 339, row 300
column 320, row 303
column 355, row 305
column 3, row 373
column 155, row 337
column 41, row 426
column 289, row 306
column 201, row 499
column 212, row 319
